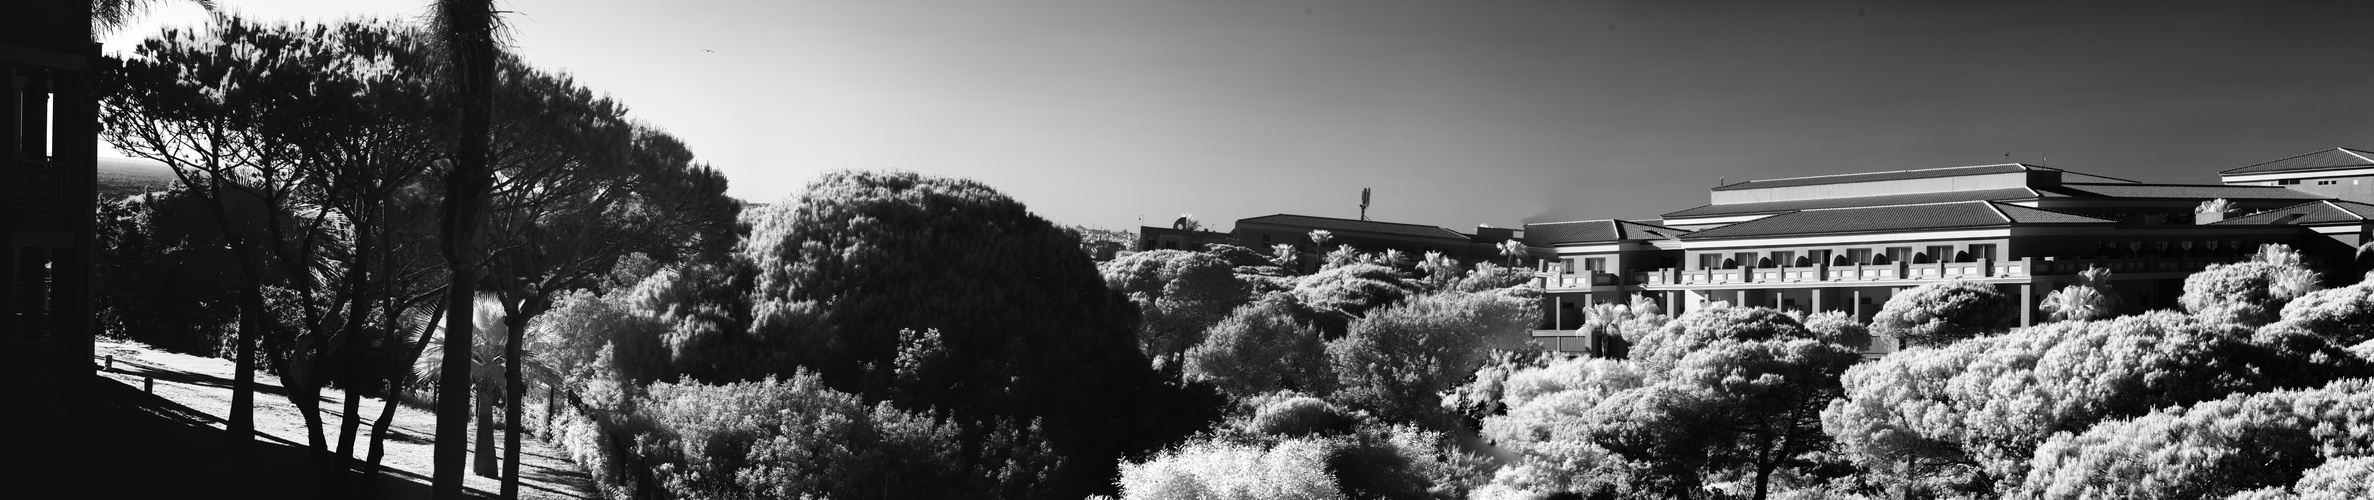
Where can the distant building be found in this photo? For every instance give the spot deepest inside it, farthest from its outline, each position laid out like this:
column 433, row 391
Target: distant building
column 1849, row 242
column 1183, row 234
column 1367, row 236
column 2341, row 173
column 48, row 135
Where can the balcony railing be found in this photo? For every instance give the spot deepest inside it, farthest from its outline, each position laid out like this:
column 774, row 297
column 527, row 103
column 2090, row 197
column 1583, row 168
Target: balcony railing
column 1575, row 280
column 37, row 183
column 2031, row 266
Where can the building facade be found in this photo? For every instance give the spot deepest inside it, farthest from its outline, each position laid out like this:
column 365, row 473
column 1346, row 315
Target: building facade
column 1850, row 242
column 48, row 132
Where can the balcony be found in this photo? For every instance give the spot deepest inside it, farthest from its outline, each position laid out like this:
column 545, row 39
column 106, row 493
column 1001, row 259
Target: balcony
column 1584, row 279
column 38, row 184
column 1901, row 271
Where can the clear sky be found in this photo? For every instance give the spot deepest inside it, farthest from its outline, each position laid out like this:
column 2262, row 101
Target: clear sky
column 1456, row 112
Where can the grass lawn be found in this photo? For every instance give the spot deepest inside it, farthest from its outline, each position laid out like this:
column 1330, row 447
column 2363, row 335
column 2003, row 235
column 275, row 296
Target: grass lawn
column 172, row 439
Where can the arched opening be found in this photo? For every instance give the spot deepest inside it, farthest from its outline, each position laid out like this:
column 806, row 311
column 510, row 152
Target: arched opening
column 1730, row 263
column 1964, row 256
column 1841, row 261
column 1764, row 263
column 1922, row 258
column 1803, row 262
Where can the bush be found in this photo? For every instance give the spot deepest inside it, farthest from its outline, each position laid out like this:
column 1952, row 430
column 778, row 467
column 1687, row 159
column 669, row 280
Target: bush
column 788, row 438
column 1179, row 295
column 1340, row 294
column 1300, row 416
column 2343, row 316
column 2216, row 448
column 1294, row 469
column 1030, row 330
column 1937, row 314
column 2246, row 293
column 1973, row 413
column 1695, row 330
column 1398, row 361
column 1259, row 348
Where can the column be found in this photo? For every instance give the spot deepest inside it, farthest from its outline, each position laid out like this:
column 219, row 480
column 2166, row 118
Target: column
column 1816, row 306
column 1673, row 302
column 1742, row 296
column 1855, row 303
column 2027, row 304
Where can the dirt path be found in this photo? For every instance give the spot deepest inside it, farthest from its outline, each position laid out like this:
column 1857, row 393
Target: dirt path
column 196, row 391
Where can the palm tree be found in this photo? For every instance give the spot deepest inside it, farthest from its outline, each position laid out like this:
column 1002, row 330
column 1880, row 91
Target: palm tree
column 110, row 15
column 1513, row 250
column 1284, row 255
column 1320, row 237
column 464, row 32
column 2090, row 298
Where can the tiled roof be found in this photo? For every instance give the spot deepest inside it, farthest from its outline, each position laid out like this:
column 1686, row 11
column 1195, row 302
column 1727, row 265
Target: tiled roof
column 1595, row 231
column 2320, row 160
column 1335, row 224
column 2185, row 191
column 1880, row 176
column 1893, row 218
column 1862, row 201
column 2314, row 212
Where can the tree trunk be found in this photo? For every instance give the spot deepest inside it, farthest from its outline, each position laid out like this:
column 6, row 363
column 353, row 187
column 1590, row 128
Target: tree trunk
column 516, row 325
column 482, row 458
column 395, row 389
column 468, row 35
column 240, row 431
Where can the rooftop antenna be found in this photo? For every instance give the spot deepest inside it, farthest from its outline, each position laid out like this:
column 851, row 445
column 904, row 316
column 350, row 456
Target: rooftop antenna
column 1363, row 203
column 1722, row 180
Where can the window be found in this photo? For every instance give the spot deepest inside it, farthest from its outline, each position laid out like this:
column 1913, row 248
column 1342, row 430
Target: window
column 1595, row 264
column 1784, row 258
column 1899, row 254
column 1265, row 237
column 1941, row 253
column 2287, row 182
column 1818, row 257
column 1567, row 266
column 33, row 290
column 1743, row 259
column 1858, row 256
column 1710, row 261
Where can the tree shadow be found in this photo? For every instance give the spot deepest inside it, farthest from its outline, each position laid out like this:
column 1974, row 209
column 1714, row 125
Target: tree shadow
column 131, row 444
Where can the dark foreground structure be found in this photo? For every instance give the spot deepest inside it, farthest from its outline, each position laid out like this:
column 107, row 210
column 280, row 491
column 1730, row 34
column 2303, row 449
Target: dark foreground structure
column 49, row 136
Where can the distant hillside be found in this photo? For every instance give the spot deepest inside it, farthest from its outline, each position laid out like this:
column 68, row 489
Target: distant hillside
column 122, row 177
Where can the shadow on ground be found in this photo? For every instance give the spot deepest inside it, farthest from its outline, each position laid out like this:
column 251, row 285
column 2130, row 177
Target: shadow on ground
column 136, row 445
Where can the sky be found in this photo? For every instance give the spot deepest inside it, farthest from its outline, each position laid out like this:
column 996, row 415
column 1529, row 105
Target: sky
column 1456, row 113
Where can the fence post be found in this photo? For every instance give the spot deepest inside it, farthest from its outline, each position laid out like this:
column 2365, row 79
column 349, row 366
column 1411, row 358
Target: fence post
column 110, row 362
column 148, row 384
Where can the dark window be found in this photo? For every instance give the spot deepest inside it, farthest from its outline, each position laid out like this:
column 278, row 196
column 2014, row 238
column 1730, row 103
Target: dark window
column 1595, row 264
column 1818, row 256
column 1744, row 258
column 1941, row 253
column 1710, row 261
column 1899, row 254
column 1983, row 252
column 1265, row 237
column 1858, row 256
column 1784, row 258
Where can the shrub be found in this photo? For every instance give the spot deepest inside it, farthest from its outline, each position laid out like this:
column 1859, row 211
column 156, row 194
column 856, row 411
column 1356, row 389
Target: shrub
column 1695, row 330
column 2216, row 448
column 1398, row 361
column 1261, row 347
column 1295, row 469
column 2344, row 316
column 1301, row 416
column 1937, row 314
column 1972, row 413
column 2245, row 293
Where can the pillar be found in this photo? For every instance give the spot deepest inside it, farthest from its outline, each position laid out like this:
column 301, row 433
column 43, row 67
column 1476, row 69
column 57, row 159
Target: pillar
column 2028, row 304
column 1742, row 295
column 1815, row 305
column 1673, row 303
column 1855, row 303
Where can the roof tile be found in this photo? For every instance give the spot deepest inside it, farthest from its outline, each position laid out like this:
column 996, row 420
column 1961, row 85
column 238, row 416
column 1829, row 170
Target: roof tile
column 1893, row 218
column 1861, row 201
column 2335, row 158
